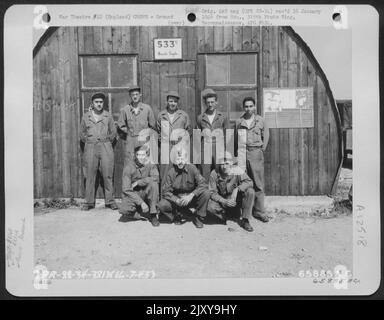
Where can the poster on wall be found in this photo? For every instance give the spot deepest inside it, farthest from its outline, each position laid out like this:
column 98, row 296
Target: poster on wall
column 288, row 108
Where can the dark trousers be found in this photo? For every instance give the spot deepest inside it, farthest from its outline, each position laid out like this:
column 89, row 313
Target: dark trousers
column 255, row 170
column 130, row 202
column 98, row 156
column 244, row 205
column 200, row 202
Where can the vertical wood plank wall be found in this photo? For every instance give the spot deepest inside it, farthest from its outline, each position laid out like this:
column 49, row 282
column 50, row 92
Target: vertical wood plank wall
column 302, row 161
column 57, row 156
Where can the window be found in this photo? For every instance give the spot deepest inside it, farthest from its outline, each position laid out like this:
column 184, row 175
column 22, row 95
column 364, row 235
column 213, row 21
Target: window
column 112, row 75
column 234, row 77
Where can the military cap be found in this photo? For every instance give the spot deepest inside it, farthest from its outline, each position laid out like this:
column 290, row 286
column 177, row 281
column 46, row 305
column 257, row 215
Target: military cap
column 134, row 88
column 208, row 92
column 98, row 95
column 173, row 94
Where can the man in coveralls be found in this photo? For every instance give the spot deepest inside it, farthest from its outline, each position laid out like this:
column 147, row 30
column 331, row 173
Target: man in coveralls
column 140, row 186
column 98, row 131
column 256, row 142
column 212, row 119
column 184, row 189
column 134, row 118
column 170, row 120
column 231, row 192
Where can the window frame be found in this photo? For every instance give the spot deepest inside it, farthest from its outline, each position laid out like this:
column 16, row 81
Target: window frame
column 232, row 87
column 228, row 55
column 106, row 90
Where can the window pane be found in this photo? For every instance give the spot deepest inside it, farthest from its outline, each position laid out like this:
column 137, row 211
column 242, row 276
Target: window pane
column 236, row 102
column 87, row 102
column 222, row 101
column 95, row 72
column 217, row 70
column 123, row 71
column 243, row 69
column 119, row 100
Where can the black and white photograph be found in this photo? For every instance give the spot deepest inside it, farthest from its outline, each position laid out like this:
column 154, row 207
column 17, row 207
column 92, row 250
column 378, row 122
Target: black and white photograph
column 213, row 151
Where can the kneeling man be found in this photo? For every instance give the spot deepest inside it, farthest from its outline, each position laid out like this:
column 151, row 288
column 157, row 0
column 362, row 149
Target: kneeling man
column 184, row 189
column 231, row 192
column 140, row 186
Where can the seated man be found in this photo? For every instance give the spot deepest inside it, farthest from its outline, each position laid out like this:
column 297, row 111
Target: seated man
column 184, row 189
column 140, row 186
column 230, row 192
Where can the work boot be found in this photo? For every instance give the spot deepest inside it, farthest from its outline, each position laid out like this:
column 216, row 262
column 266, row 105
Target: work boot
column 244, row 223
column 153, row 219
column 261, row 216
column 112, row 206
column 86, row 207
column 177, row 220
column 222, row 218
column 197, row 221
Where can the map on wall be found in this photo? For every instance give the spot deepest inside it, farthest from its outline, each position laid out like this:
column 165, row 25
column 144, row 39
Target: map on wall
column 288, row 108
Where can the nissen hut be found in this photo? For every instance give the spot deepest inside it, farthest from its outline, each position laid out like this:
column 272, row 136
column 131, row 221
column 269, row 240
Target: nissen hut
column 272, row 64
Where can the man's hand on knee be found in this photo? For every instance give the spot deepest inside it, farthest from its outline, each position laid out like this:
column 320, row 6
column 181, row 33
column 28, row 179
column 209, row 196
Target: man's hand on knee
column 144, row 207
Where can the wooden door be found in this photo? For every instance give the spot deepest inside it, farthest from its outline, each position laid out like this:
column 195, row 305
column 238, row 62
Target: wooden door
column 158, row 78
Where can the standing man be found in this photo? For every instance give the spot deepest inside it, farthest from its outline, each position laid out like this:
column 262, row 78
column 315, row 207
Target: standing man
column 184, row 188
column 212, row 119
column 231, row 192
column 140, row 186
column 256, row 142
column 134, row 118
column 169, row 121
column 98, row 131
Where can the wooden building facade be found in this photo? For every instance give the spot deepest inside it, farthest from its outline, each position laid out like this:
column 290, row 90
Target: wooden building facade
column 70, row 63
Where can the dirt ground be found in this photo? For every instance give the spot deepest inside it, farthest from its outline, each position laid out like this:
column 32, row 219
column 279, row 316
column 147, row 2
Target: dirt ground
column 70, row 239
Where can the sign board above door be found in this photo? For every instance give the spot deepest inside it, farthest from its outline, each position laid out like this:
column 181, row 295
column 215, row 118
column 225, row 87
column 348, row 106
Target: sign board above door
column 168, row 49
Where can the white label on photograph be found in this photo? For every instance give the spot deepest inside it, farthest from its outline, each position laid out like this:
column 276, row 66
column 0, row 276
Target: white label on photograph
column 167, row 49
column 276, row 100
